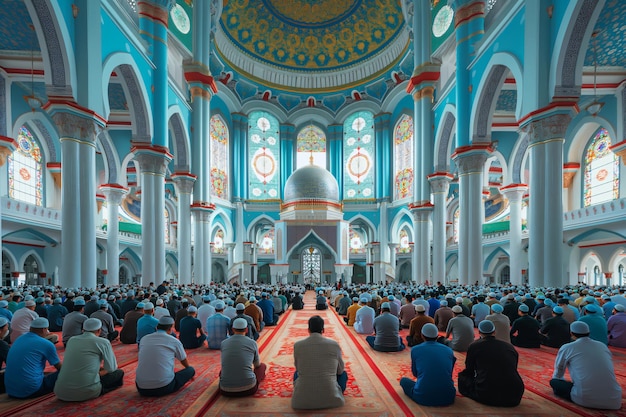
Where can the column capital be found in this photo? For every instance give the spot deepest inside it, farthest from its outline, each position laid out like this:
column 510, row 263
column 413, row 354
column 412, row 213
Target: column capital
column 426, row 75
column 81, row 127
column 514, row 192
column 201, row 82
column 155, row 9
column 114, row 193
column 440, row 182
column 466, row 10
column 471, row 159
column 7, row 147
column 184, row 181
column 569, row 172
column 151, row 158
column 549, row 122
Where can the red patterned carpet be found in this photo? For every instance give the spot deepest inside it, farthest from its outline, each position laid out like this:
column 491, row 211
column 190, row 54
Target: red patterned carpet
column 373, row 387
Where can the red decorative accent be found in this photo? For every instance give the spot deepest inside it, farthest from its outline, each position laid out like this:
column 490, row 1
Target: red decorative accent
column 117, row 186
column 507, row 187
column 42, row 275
column 26, row 71
column 24, row 174
column 426, row 76
column 105, row 272
column 310, row 102
column 64, row 101
column 571, row 165
column 356, row 95
column 619, row 242
column 195, row 76
column 8, row 142
column 475, row 147
column 226, row 78
column 554, row 105
column 396, row 77
column 440, row 174
column 15, row 274
column 266, row 95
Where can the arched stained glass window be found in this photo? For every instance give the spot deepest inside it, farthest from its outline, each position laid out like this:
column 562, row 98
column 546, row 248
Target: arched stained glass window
column 167, row 225
column 403, row 149
column 219, row 158
column 264, row 148
column 457, row 216
column 266, row 246
column 24, row 168
column 404, row 242
column 601, row 170
column 218, row 242
column 356, row 242
column 358, row 151
column 312, row 264
column 311, row 147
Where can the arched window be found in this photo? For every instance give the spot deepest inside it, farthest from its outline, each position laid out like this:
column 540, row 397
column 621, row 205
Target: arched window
column 219, row 158
column 166, row 216
column 312, row 265
column 356, row 242
column 266, row 246
column 358, row 156
column 404, row 242
column 601, row 170
column 264, row 148
column 403, row 149
column 218, row 242
column 457, row 216
column 25, row 169
column 311, row 147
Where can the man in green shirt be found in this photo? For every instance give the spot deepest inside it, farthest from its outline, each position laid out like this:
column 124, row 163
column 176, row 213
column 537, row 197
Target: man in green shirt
column 82, row 378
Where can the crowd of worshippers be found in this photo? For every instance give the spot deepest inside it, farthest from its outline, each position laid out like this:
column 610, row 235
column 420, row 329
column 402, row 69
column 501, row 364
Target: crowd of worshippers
column 166, row 320
column 581, row 322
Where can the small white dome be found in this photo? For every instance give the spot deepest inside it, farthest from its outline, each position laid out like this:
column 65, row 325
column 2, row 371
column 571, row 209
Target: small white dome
column 311, row 182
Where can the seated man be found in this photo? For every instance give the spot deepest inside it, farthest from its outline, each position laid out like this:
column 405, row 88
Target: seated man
column 270, row 318
column 364, row 320
column 217, row 327
column 525, row 330
column 350, row 317
column 461, row 328
column 26, row 361
column 4, row 349
column 108, row 327
column 191, row 335
column 386, row 327
column 590, row 366
column 432, row 364
column 242, row 369
column 128, row 334
column 617, row 327
column 556, row 329
column 320, row 301
column 82, row 378
column 490, row 376
column 155, row 368
column 415, row 328
column 320, row 378
column 296, row 302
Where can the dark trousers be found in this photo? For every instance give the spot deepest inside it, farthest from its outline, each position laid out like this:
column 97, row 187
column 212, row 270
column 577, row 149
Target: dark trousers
column 111, row 381
column 180, row 378
column 47, row 386
column 113, row 335
column 562, row 388
column 371, row 339
column 342, row 379
column 259, row 372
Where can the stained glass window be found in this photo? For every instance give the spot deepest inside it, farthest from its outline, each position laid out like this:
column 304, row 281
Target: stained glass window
column 457, row 216
column 167, row 226
column 358, row 151
column 601, row 170
column 25, row 169
column 404, row 242
column 403, row 149
column 264, row 148
column 266, row 246
column 311, row 146
column 219, row 158
column 356, row 242
column 218, row 242
column 312, row 264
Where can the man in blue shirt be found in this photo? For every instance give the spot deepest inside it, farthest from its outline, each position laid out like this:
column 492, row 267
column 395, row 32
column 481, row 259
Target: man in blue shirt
column 267, row 306
column 432, row 364
column 24, row 377
column 217, row 327
column 147, row 323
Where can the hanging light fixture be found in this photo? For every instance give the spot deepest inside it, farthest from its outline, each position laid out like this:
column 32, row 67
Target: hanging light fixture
column 31, row 99
column 595, row 106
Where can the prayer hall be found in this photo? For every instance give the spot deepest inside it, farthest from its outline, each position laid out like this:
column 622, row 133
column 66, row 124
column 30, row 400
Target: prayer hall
column 383, row 147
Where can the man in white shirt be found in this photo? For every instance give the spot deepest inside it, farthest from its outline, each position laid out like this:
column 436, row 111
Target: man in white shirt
column 590, row 366
column 155, row 369
column 160, row 311
column 364, row 321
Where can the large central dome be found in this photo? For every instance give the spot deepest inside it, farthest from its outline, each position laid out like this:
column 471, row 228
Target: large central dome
column 311, row 183
column 314, row 44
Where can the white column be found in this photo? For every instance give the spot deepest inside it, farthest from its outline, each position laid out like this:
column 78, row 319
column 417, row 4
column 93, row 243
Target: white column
column 184, row 186
column 114, row 194
column 247, row 256
column 201, row 244
column 87, row 181
column 514, row 193
column 545, row 201
column 439, row 186
column 470, row 161
column 152, row 161
column 376, row 261
column 421, row 217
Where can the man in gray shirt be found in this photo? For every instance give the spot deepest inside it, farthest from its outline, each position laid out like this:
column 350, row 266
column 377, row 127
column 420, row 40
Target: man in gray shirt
column 461, row 328
column 242, row 369
column 386, row 327
column 73, row 322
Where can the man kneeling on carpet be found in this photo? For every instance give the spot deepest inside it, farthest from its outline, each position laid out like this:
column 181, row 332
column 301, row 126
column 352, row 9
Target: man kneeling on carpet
column 320, row 378
column 432, row 364
column 242, row 369
column 590, row 366
column 490, row 375
column 386, row 327
column 155, row 369
column 81, row 378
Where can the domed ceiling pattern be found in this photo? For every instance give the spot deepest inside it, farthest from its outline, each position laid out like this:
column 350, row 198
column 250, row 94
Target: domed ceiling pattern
column 317, row 45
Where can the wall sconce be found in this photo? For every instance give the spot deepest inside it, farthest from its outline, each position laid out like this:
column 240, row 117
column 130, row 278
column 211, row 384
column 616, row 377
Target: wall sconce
column 75, row 10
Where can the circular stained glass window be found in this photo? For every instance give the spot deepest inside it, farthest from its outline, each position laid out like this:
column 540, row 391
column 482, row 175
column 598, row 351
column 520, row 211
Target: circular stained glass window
column 442, row 21
column 180, row 19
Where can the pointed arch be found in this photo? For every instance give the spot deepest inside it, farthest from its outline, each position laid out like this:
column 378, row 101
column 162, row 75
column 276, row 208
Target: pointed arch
column 34, row 254
column 491, row 259
column 444, row 140
column 179, row 139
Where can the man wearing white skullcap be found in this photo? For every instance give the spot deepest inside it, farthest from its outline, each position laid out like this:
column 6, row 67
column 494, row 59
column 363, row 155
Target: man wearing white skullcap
column 191, row 335
column 490, row 376
column 590, row 366
column 432, row 364
column 617, row 327
column 82, row 377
